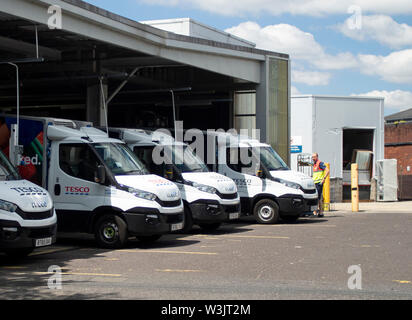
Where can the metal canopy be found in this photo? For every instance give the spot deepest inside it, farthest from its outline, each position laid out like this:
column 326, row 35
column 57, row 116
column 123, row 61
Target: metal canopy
column 94, row 44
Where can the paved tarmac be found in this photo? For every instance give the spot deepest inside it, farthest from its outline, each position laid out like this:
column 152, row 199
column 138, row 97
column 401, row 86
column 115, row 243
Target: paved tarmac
column 393, row 206
column 308, row 259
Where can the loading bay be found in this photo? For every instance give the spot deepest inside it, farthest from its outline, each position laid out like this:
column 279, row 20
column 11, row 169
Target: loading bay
column 308, row 259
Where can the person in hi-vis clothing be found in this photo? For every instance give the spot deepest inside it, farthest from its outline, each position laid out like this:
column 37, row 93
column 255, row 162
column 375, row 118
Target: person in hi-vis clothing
column 320, row 172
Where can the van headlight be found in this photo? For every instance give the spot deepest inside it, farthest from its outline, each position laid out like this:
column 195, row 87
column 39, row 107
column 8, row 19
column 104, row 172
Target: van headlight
column 7, row 206
column 204, row 188
column 288, row 184
column 142, row 194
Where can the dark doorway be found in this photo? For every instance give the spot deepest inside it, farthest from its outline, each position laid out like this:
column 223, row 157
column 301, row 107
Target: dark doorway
column 355, row 139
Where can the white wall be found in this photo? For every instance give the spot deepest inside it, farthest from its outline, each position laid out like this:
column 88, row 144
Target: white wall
column 333, row 114
column 322, row 127
column 301, row 125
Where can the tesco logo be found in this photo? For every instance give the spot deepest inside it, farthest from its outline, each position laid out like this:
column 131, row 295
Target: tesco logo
column 78, row 189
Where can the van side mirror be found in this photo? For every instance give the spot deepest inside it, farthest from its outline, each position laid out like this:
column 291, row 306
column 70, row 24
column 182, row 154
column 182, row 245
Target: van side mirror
column 101, row 175
column 169, row 172
column 260, row 173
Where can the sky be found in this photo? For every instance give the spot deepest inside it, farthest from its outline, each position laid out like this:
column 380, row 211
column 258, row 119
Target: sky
column 337, row 47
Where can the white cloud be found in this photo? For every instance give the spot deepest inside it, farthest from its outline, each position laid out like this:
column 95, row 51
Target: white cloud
column 311, row 78
column 296, row 7
column 298, row 44
column 294, row 91
column 397, row 99
column 395, row 67
column 305, row 51
column 380, row 28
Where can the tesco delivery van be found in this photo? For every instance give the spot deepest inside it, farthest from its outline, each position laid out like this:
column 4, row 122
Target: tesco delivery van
column 268, row 189
column 209, row 198
column 27, row 216
column 98, row 185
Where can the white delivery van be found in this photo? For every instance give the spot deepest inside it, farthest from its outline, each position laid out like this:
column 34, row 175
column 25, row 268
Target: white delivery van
column 209, row 198
column 99, row 186
column 268, row 189
column 27, row 216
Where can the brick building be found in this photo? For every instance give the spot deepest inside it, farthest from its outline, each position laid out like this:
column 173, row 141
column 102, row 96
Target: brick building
column 398, row 145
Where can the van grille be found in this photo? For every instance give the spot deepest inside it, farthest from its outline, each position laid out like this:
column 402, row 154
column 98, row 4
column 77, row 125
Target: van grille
column 38, row 233
column 231, row 209
column 35, row 215
column 227, row 196
column 309, row 191
column 173, row 218
column 169, row 204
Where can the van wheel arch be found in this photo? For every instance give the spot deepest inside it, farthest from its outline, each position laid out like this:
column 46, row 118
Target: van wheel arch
column 101, row 211
column 259, row 197
column 266, row 210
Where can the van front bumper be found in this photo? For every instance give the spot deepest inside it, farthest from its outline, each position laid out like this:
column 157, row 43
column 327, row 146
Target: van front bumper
column 146, row 222
column 292, row 205
column 213, row 211
column 13, row 236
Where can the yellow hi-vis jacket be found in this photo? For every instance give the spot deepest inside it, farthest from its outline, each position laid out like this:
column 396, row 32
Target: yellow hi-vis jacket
column 318, row 171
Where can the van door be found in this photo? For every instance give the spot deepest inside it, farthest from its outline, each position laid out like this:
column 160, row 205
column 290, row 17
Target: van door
column 241, row 172
column 73, row 187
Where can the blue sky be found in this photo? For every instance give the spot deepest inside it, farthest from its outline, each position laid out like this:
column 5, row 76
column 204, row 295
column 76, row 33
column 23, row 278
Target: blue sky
column 365, row 52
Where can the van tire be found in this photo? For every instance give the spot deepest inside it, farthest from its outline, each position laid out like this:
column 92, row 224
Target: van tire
column 266, row 211
column 149, row 239
column 111, row 231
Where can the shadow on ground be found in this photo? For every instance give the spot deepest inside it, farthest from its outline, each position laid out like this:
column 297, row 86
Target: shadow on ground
column 30, row 278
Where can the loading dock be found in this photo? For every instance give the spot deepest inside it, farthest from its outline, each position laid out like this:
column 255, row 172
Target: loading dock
column 342, row 130
column 97, row 51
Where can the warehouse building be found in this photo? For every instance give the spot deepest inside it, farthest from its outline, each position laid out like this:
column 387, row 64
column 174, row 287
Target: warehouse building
column 398, row 145
column 342, row 130
column 213, row 79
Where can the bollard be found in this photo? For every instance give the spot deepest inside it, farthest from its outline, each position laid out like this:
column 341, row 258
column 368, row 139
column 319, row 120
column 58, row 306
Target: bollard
column 354, row 187
column 326, row 191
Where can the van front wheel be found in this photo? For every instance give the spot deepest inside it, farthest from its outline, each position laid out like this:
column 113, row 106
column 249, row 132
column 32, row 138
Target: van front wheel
column 266, row 211
column 111, row 232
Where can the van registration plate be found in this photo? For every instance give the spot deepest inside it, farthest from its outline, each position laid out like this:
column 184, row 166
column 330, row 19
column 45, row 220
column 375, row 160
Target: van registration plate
column 43, row 242
column 233, row 215
column 176, row 226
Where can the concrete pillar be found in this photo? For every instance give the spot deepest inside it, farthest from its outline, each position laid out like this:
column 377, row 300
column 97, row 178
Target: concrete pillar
column 273, row 105
column 262, row 104
column 95, row 108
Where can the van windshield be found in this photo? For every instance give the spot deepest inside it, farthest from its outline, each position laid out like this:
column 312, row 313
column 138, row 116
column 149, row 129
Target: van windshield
column 119, row 159
column 185, row 159
column 270, row 159
column 7, row 171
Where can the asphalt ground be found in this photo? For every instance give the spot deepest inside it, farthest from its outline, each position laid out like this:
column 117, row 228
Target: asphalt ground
column 308, row 259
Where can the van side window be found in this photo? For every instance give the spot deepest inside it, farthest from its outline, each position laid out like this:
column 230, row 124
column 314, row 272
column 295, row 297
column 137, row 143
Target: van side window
column 78, row 160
